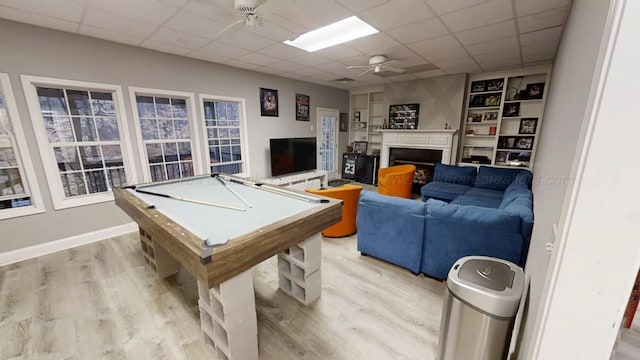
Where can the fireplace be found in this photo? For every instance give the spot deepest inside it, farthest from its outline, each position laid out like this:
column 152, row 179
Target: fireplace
column 422, row 148
column 423, row 159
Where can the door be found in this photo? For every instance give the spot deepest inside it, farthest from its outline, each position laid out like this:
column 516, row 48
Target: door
column 328, row 141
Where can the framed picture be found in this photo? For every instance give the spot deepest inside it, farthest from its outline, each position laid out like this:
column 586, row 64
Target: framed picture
column 302, row 107
column 534, row 91
column 344, row 122
column 493, row 100
column 528, row 125
column 477, row 86
column 494, row 85
column 360, row 147
column 477, row 101
column 511, row 110
column 501, row 156
column 490, row 116
column 474, row 117
column 524, row 143
column 268, row 102
column 356, row 116
column 507, row 142
column 492, row 130
column 404, row 116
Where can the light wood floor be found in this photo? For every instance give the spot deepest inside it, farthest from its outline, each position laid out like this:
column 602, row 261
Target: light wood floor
column 99, row 301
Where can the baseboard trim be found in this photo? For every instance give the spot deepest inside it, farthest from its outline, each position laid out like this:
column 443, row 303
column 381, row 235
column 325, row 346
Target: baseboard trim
column 50, row 247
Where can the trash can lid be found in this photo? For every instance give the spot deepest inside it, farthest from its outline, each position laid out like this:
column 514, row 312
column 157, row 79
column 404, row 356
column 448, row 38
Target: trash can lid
column 492, row 285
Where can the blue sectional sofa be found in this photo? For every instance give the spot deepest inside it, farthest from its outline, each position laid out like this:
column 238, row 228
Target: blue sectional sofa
column 465, row 211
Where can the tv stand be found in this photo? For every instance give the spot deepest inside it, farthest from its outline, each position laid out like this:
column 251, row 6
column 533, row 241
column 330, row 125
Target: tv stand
column 309, row 179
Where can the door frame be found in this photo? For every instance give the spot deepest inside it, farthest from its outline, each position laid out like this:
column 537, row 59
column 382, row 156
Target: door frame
column 335, row 174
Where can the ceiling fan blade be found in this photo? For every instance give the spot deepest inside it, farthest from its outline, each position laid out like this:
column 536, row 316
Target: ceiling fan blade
column 393, row 69
column 241, row 21
column 366, row 72
column 389, row 61
column 358, row 66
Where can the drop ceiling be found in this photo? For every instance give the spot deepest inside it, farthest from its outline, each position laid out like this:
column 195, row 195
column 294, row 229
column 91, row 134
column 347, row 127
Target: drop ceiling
column 429, row 37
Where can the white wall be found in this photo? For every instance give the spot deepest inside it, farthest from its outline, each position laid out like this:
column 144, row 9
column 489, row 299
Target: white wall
column 31, row 50
column 575, row 75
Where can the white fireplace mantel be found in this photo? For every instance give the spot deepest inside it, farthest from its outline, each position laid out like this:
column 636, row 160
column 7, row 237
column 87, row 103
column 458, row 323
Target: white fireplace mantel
column 417, row 139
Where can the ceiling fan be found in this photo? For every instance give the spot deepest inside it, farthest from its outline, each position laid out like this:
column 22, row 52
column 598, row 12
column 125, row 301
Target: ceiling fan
column 248, row 10
column 378, row 63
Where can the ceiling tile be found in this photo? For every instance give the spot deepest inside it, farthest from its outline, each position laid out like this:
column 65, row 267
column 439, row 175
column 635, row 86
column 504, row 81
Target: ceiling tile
column 445, row 60
column 373, row 44
column 313, row 14
column 396, row 13
column 489, row 65
column 213, row 11
column 337, row 52
column 491, row 12
column 246, row 40
column 171, row 49
column 446, row 6
column 543, row 20
column 541, row 36
column 327, row 76
column 430, row 74
column 217, row 48
column 487, row 33
column 194, row 24
column 144, row 10
column 471, row 69
column 310, row 60
column 434, row 45
column 208, row 57
column 274, row 32
column 268, row 70
column 543, row 48
column 497, row 55
column 117, row 23
column 402, row 77
column 282, row 51
column 258, row 59
column 421, row 30
column 286, row 66
column 242, row 64
column 61, row 9
column 308, row 71
column 38, row 20
column 110, row 35
column 528, row 7
column 492, row 46
column 174, row 3
column 177, row 38
column 331, row 66
column 531, row 58
column 361, row 5
column 410, row 61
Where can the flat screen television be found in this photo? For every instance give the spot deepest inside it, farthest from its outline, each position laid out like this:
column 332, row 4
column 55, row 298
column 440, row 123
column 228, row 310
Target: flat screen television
column 292, row 155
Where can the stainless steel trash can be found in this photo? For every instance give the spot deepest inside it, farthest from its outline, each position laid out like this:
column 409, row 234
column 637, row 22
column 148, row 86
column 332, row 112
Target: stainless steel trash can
column 479, row 309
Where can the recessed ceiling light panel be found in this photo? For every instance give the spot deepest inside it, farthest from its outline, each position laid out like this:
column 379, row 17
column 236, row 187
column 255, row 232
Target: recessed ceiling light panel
column 337, row 33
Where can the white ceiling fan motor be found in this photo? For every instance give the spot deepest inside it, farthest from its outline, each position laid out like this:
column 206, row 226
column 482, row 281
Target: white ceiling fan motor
column 248, row 9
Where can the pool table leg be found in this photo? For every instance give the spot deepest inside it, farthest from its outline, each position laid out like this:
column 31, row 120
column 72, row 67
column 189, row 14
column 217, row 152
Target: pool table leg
column 158, row 260
column 299, row 270
column 228, row 318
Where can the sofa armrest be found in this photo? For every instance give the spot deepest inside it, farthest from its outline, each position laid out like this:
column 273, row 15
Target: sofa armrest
column 391, row 229
column 454, row 231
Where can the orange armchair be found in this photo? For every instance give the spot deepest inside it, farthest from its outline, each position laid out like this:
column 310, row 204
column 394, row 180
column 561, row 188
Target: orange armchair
column 396, row 180
column 349, row 195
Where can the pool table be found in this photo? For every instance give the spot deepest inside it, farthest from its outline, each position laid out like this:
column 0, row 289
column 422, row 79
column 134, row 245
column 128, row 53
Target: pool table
column 217, row 227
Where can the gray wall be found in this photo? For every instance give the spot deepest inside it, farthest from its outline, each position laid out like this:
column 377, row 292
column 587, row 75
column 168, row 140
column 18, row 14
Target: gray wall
column 36, row 51
column 440, row 98
column 561, row 136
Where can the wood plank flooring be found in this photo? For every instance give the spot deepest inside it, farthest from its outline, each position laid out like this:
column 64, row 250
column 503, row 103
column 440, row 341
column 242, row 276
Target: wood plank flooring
column 99, row 301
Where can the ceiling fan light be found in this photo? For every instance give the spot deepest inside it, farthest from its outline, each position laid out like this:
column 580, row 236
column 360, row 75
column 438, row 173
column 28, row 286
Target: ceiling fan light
column 333, row 34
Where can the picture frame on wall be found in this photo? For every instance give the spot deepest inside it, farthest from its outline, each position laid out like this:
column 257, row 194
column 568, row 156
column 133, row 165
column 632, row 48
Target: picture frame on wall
column 511, row 110
column 302, row 107
column 528, row 126
column 360, row 147
column 344, row 122
column 268, row 102
column 534, row 91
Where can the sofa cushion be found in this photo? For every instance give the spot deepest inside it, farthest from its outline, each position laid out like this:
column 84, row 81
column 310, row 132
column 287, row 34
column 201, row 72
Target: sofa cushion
column 391, row 228
column 481, row 201
column 514, row 193
column 463, row 175
column 486, row 193
column 524, row 177
column 442, row 190
column 495, row 178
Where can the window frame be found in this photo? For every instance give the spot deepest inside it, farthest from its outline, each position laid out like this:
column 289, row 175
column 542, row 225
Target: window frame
column 56, row 189
column 244, row 142
column 23, row 157
column 192, row 115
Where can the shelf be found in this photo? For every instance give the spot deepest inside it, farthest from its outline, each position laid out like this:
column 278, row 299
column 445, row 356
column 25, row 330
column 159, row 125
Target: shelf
column 507, row 134
column 481, row 135
column 485, row 92
column 515, row 150
column 483, row 123
column 511, row 117
column 484, row 107
column 376, row 102
column 523, row 101
column 478, row 146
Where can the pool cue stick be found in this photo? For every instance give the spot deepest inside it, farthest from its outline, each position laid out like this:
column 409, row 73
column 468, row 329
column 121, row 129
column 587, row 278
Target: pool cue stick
column 189, row 200
column 233, row 191
column 289, row 194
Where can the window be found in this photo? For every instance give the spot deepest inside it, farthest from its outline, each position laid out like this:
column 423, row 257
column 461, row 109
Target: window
column 165, row 133
column 79, row 129
column 19, row 193
column 225, row 134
